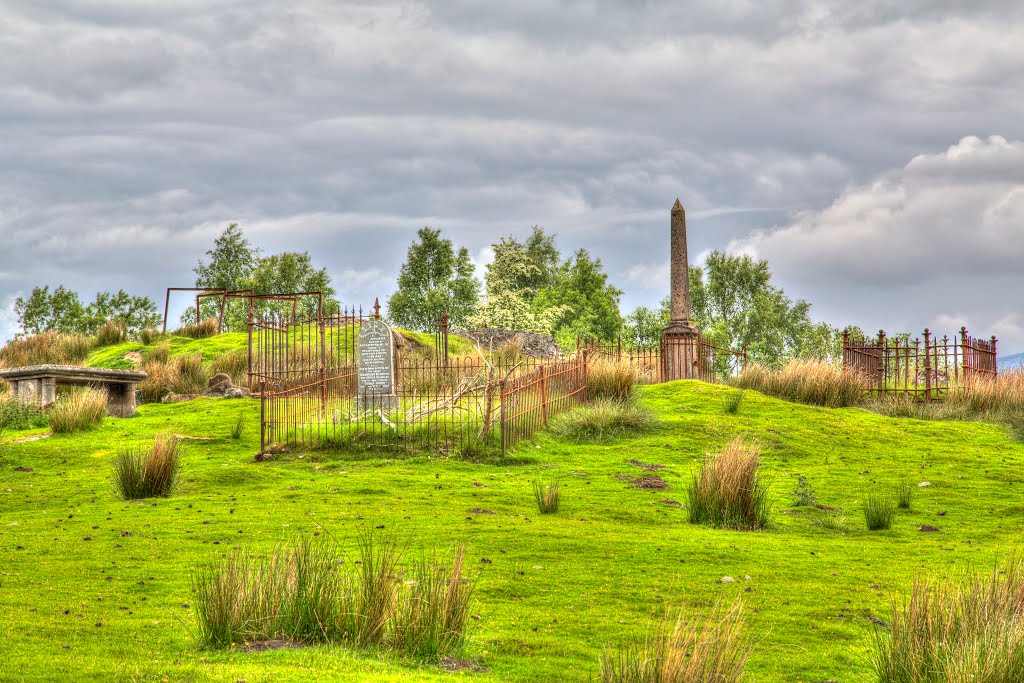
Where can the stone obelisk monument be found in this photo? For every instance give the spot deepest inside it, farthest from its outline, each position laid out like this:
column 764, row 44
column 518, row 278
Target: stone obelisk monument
column 679, row 355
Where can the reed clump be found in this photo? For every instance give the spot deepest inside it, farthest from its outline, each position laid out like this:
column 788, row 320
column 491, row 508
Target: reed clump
column 684, row 649
column 148, row 471
column 79, row 410
column 110, row 333
column 957, row 630
column 611, row 379
column 547, row 495
column 879, row 511
column 728, row 491
column 806, row 381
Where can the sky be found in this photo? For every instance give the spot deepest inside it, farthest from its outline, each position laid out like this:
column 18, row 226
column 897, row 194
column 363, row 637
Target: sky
column 871, row 152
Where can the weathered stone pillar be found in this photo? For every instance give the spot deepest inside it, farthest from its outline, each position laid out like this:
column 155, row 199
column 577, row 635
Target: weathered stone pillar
column 680, row 344
column 48, row 391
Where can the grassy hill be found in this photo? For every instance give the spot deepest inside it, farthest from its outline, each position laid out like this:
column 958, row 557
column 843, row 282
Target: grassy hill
column 92, row 588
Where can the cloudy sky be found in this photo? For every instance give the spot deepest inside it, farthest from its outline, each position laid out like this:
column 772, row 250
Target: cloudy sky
column 872, row 152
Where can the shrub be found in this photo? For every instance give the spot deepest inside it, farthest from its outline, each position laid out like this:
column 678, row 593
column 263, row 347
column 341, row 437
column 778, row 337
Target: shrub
column 16, row 414
column 49, row 348
column 732, row 402
column 684, row 650
column 963, row 629
column 433, row 610
column 148, row 472
column 305, row 591
column 602, row 419
column 728, row 491
column 803, row 494
column 806, row 381
column 904, row 492
column 879, row 512
column 547, row 495
column 201, row 330
column 610, row 379
column 110, row 333
column 78, row 410
column 233, row 363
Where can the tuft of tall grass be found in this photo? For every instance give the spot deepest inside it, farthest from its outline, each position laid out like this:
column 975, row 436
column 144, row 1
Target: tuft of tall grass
column 611, row 379
column 188, row 374
column 306, row 591
column 49, row 348
column 161, row 353
column 201, row 330
column 234, row 364
column 732, row 402
column 832, row 520
column 149, row 336
column 684, row 649
column 806, row 381
column 236, row 430
column 185, row 374
column 959, row 630
column 728, row 491
column 603, row 418
column 547, row 495
column 78, row 410
column 904, row 494
column 879, row 512
column 433, row 609
column 110, row 333
column 150, row 471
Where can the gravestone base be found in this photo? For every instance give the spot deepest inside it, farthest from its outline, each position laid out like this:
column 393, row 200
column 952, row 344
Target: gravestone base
column 386, row 402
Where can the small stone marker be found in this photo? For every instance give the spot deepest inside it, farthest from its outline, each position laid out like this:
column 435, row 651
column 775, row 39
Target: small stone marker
column 376, row 358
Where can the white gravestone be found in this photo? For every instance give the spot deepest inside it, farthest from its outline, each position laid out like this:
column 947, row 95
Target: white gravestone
column 375, row 355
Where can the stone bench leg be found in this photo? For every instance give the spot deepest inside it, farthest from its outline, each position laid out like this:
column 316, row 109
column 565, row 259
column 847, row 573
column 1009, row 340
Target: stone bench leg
column 121, row 400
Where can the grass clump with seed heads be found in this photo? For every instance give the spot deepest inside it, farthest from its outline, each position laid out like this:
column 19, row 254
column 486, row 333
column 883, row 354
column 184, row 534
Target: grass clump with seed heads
column 79, row 410
column 957, row 630
column 547, row 495
column 148, row 471
column 728, row 491
column 611, row 379
column 806, row 381
column 684, row 649
column 603, row 419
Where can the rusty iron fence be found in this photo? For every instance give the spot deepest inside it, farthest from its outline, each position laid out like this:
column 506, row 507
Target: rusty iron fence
column 306, row 373
column 928, row 368
column 714, row 364
column 528, row 402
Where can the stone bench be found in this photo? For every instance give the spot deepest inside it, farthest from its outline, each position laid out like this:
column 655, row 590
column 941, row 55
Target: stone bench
column 38, row 384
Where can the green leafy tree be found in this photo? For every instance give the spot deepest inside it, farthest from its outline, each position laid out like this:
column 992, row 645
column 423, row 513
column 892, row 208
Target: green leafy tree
column 133, row 313
column 229, row 265
column 587, row 304
column 519, row 271
column 292, row 272
column 45, row 311
column 642, row 328
column 433, row 278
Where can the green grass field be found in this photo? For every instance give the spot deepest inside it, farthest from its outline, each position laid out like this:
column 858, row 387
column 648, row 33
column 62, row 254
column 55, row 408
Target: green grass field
column 95, row 589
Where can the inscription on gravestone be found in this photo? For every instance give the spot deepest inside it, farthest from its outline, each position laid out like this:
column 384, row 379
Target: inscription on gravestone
column 376, row 357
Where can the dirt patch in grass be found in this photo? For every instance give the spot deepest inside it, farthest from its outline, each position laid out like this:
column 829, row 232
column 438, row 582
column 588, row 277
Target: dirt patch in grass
column 480, row 511
column 453, row 665
column 265, row 645
column 33, row 437
column 23, row 469
column 650, row 483
column 673, row 503
column 646, row 466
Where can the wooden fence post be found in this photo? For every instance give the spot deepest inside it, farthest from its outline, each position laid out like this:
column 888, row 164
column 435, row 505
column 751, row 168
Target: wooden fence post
column 927, row 365
column 543, row 395
column 586, row 382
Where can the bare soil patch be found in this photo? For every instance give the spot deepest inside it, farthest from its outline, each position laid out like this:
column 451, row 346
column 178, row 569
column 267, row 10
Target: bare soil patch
column 458, row 665
column 646, row 466
column 265, row 645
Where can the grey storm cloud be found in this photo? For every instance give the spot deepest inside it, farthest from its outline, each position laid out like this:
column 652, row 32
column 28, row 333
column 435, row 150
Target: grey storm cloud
column 133, row 131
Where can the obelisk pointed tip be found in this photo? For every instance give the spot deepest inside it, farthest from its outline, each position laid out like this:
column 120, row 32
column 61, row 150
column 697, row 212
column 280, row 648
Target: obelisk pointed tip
column 677, row 207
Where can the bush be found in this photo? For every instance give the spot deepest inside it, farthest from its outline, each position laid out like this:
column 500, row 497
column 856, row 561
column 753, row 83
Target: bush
column 610, row 379
column 110, row 333
column 728, row 491
column 49, row 348
column 234, row 364
column 78, row 410
column 305, row 591
column 964, row 629
column 148, row 472
column 684, row 650
column 17, row 415
column 547, row 495
column 806, row 381
column 879, row 512
column 202, row 330
column 604, row 418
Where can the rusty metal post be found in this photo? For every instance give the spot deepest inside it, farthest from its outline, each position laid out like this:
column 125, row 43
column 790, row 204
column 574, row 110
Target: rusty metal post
column 543, row 394
column 927, row 365
column 249, row 372
column 220, row 319
column 198, row 319
column 995, row 358
column 964, row 353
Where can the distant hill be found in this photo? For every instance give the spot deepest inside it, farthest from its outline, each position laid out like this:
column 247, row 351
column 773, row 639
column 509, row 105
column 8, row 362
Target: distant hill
column 1011, row 362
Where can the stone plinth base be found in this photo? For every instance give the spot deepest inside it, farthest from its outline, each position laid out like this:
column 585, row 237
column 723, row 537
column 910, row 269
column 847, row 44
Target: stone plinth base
column 680, row 351
column 378, row 402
